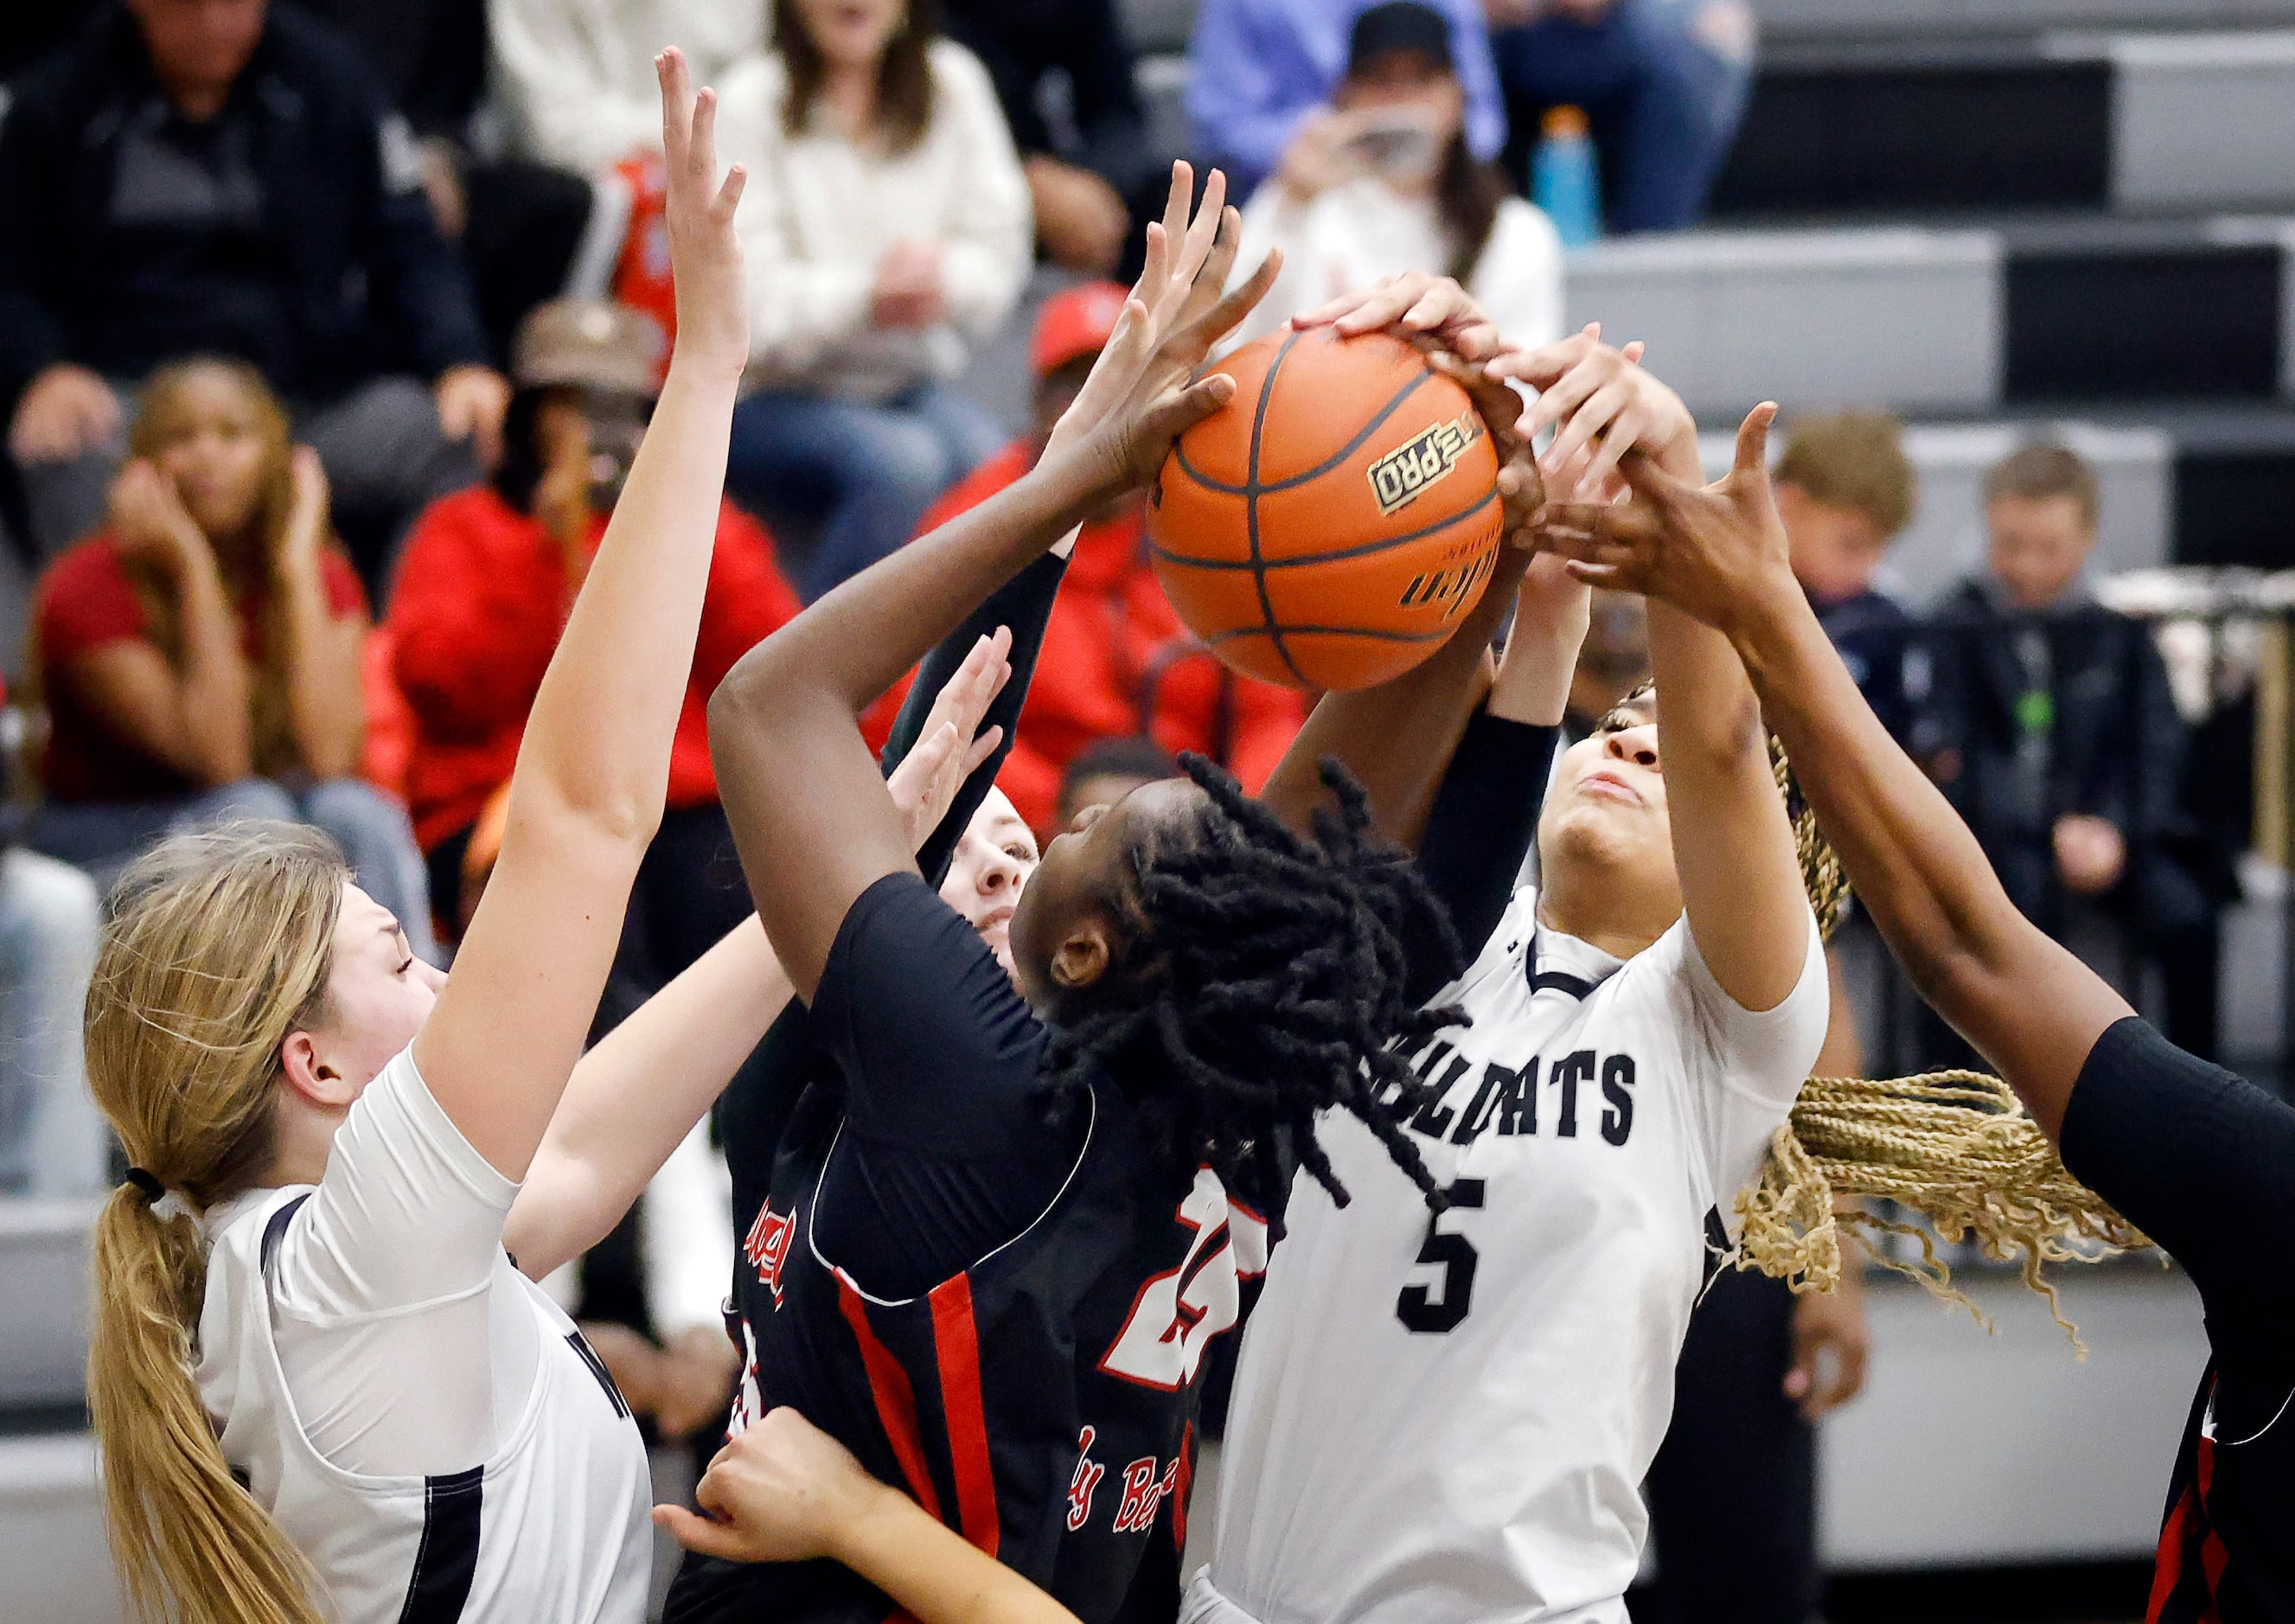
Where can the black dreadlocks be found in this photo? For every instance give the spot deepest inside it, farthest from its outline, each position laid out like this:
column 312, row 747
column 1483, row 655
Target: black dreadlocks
column 1261, row 981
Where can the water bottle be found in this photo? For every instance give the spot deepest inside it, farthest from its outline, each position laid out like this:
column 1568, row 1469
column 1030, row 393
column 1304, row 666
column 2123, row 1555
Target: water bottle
column 1562, row 177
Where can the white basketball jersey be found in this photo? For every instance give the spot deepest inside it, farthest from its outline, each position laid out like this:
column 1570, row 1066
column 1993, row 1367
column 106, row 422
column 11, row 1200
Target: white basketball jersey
column 1449, row 1420
column 553, row 1525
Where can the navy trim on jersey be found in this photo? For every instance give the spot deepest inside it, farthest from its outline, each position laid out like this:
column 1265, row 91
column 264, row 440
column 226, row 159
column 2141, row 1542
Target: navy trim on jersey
column 447, row 1559
column 589, row 1356
column 276, row 1230
column 1554, row 980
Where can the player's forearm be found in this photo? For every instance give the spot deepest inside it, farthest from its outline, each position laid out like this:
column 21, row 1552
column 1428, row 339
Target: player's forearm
column 1918, row 870
column 931, row 1572
column 632, row 1099
column 1733, row 846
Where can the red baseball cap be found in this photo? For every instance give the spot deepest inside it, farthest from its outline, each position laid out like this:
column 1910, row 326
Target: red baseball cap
column 1075, row 321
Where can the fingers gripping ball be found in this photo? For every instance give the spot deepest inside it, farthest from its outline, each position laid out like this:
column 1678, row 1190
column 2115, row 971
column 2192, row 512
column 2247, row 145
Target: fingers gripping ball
column 1330, row 526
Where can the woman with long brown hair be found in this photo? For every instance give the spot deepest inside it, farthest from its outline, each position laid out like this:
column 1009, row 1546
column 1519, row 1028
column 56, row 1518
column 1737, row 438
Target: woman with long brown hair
column 322, row 1387
column 887, row 238
column 199, row 657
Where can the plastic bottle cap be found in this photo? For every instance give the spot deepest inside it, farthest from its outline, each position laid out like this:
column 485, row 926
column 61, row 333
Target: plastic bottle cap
column 1564, row 123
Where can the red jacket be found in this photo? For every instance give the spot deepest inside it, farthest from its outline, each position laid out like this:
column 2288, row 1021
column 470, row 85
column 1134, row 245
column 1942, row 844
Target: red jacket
column 481, row 601
column 1117, row 662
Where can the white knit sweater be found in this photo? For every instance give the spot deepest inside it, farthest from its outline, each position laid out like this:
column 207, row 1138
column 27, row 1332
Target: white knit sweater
column 821, row 211
column 577, row 75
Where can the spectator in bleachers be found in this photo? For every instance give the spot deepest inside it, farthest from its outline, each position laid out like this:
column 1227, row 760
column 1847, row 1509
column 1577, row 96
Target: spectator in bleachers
column 215, row 176
column 490, row 575
column 887, row 233
column 1662, row 82
column 201, row 656
column 53, row 1140
column 1116, row 661
column 1063, row 70
column 1104, row 772
column 519, row 225
column 1261, row 74
column 1844, row 490
column 2047, row 721
column 1389, row 184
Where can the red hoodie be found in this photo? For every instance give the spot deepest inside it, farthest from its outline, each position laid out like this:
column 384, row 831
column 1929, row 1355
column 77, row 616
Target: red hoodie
column 1117, row 662
column 480, row 604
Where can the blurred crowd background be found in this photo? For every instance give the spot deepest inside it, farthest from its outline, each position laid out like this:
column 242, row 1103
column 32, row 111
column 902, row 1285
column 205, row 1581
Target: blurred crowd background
column 328, row 328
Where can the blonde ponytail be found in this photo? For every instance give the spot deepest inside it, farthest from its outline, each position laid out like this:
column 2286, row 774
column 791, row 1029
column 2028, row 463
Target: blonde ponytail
column 1956, row 1147
column 218, row 946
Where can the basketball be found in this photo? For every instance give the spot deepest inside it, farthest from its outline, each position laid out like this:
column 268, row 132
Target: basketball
column 1331, row 525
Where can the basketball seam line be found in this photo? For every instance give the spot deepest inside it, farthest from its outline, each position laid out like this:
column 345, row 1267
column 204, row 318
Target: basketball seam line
column 1191, row 561
column 1252, row 486
column 1251, row 510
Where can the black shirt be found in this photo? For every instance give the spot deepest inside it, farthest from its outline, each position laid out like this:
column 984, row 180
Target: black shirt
column 2203, row 1161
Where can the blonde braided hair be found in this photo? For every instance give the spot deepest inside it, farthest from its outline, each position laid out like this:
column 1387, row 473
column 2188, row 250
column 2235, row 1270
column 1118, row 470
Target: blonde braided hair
column 1956, row 1145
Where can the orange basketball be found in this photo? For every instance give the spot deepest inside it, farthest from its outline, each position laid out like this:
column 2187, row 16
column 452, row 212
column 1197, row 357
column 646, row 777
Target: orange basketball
column 1330, row 526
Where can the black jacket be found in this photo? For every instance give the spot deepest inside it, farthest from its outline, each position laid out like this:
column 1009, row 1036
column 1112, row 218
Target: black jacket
column 367, row 283
column 2116, row 748
column 1023, row 43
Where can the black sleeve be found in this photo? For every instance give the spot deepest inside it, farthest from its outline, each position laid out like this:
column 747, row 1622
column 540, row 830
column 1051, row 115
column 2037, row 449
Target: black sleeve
column 946, row 1154
column 1024, row 604
column 1484, row 818
column 2203, row 1161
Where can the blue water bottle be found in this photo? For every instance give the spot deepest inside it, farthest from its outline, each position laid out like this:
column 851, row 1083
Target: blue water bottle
column 1563, row 180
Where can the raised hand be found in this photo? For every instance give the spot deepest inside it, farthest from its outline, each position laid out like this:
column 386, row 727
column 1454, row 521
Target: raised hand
column 952, row 743
column 705, row 252
column 1179, row 248
column 1603, row 404
column 1717, row 551
column 1416, row 304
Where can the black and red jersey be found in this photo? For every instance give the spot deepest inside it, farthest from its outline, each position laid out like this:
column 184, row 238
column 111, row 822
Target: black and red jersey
column 1043, row 1402
column 2224, row 1550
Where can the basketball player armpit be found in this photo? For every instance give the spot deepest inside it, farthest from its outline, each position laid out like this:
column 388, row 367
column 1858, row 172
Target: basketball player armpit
column 2201, row 1160
column 1449, row 1421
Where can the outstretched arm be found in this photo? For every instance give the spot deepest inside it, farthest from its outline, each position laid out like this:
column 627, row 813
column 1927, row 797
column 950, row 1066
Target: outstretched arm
column 2031, row 1008
column 587, row 794
column 808, row 808
column 784, row 1490
column 634, row 1098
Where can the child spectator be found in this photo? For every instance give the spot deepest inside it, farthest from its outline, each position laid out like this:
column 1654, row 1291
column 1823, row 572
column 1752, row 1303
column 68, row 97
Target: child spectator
column 1262, row 73
column 199, row 658
column 1117, row 662
column 490, row 576
column 887, row 233
column 2048, row 723
column 1388, row 183
column 1662, row 83
column 1104, row 772
column 1844, row 491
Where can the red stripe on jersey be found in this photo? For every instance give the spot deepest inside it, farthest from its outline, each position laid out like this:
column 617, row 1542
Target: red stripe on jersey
column 2167, row 1572
column 956, row 1344
column 1180, row 1489
column 896, row 1401
column 2213, row 1557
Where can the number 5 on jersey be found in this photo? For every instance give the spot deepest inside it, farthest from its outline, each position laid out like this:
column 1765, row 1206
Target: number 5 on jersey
column 1423, row 1308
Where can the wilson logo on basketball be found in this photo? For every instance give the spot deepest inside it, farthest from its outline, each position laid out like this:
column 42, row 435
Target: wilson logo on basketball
column 1399, row 477
column 1450, row 588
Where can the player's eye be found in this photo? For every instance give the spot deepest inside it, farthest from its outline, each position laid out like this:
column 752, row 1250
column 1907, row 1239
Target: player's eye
column 1020, row 853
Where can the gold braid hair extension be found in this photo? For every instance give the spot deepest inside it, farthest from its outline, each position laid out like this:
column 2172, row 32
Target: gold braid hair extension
column 1957, row 1145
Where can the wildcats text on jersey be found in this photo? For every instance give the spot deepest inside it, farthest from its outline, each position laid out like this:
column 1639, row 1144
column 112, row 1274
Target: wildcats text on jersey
column 1507, row 1100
